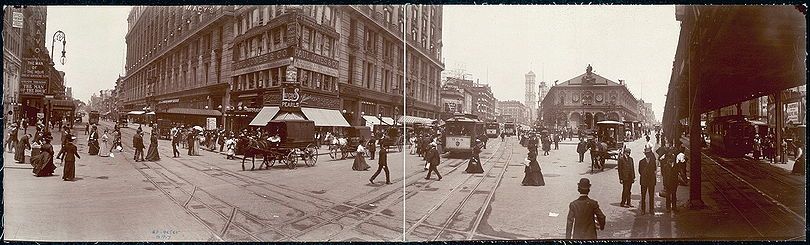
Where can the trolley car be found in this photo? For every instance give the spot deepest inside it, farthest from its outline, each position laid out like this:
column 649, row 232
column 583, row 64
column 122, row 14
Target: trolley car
column 509, row 129
column 731, row 135
column 493, row 129
column 460, row 132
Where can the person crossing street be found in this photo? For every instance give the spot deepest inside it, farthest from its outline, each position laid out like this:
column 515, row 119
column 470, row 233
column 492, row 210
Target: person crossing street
column 382, row 165
column 433, row 160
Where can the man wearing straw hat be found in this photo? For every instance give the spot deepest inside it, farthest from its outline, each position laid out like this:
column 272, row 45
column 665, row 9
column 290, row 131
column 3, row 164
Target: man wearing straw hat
column 584, row 215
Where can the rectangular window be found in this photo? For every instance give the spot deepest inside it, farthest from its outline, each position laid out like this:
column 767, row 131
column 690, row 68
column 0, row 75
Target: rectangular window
column 351, row 70
column 305, row 38
column 318, row 47
column 327, row 47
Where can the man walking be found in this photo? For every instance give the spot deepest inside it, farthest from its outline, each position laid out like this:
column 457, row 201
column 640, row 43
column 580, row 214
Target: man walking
column 646, row 172
column 433, row 160
column 382, row 164
column 582, row 147
column 584, row 214
column 627, row 175
column 175, row 140
column 556, row 141
column 12, row 138
column 137, row 143
column 372, row 148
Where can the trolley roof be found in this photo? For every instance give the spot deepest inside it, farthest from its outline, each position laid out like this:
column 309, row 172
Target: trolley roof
column 609, row 123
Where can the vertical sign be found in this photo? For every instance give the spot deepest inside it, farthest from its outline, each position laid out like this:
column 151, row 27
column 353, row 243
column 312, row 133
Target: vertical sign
column 211, row 123
column 17, row 20
column 792, row 112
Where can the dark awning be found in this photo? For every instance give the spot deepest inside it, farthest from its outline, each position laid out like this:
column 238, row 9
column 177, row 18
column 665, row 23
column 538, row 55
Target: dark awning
column 63, row 105
column 193, row 112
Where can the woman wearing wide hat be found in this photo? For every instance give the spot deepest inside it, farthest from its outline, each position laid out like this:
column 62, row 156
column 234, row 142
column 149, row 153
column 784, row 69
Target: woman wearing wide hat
column 43, row 163
column 152, row 153
column 533, row 174
column 69, row 153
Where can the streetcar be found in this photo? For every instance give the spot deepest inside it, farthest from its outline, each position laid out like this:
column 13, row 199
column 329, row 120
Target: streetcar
column 493, row 129
column 93, row 117
column 612, row 134
column 731, row 136
column 509, row 128
column 460, row 133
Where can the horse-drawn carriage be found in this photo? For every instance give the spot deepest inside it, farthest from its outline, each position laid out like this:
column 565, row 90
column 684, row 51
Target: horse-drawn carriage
column 346, row 146
column 285, row 142
column 392, row 138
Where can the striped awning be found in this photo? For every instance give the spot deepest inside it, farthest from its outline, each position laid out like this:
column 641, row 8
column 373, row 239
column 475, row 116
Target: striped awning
column 325, row 117
column 265, row 115
column 372, row 120
column 412, row 120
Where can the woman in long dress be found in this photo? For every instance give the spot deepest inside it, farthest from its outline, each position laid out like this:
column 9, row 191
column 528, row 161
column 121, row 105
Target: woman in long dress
column 43, row 163
column 534, row 176
column 104, row 150
column 359, row 161
column 195, row 147
column 152, row 153
column 22, row 145
column 92, row 142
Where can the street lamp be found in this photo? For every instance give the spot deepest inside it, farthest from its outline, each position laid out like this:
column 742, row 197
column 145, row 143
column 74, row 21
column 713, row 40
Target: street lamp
column 59, row 36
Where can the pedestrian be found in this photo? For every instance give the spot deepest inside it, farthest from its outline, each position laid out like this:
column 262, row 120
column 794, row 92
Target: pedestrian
column 198, row 139
column 22, row 145
column 474, row 164
column 372, row 148
column 556, row 141
column 117, row 144
column 11, row 143
column 433, row 160
column 175, row 137
column 43, row 163
column 382, row 165
column 546, row 145
column 503, row 136
column 757, row 147
column 484, row 138
column 68, row 154
column 152, row 154
column 230, row 146
column 603, row 155
column 92, row 141
column 799, row 164
column 582, row 147
column 413, row 145
column 584, row 214
column 137, row 143
column 646, row 172
column 359, row 161
column 104, row 147
column 190, row 141
column 669, row 176
column 533, row 174
column 627, row 175
column 680, row 166
column 87, row 129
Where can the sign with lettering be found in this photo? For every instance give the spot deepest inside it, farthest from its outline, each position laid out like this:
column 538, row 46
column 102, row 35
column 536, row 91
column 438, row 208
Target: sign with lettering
column 792, row 112
column 34, row 68
column 202, row 8
column 318, row 59
column 33, row 86
column 211, row 123
column 262, row 59
column 18, row 20
column 290, row 97
column 307, row 65
column 292, row 75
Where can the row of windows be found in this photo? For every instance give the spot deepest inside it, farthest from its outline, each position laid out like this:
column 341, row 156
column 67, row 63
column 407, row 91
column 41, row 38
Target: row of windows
column 274, row 76
column 260, row 15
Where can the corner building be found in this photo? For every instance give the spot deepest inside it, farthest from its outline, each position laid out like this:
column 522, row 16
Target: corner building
column 178, row 62
column 424, row 60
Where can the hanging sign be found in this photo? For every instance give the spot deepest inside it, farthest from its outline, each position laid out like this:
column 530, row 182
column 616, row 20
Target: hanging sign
column 290, row 97
column 17, row 20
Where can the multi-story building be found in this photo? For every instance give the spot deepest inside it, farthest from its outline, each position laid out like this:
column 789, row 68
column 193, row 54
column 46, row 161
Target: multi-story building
column 541, row 94
column 477, row 98
column 452, row 99
column 587, row 99
column 514, row 110
column 371, row 63
column 178, row 61
column 424, row 60
column 530, row 101
column 12, row 61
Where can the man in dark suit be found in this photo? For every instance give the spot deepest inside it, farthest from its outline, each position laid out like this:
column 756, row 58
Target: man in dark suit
column 372, row 147
column 433, row 160
column 627, row 175
column 382, row 164
column 584, row 215
column 137, row 143
column 592, row 145
column 175, row 140
column 646, row 172
column 582, row 147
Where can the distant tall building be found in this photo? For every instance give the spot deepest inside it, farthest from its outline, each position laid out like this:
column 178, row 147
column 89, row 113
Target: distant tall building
column 530, row 101
column 542, row 91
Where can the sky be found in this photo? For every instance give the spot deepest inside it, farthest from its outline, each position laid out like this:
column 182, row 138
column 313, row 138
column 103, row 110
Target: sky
column 95, row 46
column 500, row 44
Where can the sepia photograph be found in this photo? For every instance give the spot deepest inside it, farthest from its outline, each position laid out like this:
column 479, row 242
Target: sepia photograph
column 372, row 123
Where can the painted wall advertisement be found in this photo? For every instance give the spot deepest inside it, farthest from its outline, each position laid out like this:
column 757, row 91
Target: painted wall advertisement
column 211, row 123
column 792, row 112
column 33, row 86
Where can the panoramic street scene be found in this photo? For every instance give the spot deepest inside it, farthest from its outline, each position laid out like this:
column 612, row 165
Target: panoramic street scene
column 404, row 123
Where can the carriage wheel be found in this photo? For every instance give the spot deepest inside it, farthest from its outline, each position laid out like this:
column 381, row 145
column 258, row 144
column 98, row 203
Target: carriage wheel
column 310, row 155
column 292, row 159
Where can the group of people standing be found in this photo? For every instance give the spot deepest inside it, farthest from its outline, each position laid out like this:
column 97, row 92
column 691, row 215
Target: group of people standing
column 43, row 160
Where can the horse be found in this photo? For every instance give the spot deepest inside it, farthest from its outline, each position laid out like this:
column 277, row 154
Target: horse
column 256, row 147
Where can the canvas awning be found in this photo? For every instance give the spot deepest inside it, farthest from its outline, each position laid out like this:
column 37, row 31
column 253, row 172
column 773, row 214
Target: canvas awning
column 150, row 113
column 136, row 113
column 325, row 117
column 412, row 119
column 372, row 120
column 265, row 115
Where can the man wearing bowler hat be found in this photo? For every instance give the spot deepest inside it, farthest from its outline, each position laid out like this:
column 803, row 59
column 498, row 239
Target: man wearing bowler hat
column 584, row 215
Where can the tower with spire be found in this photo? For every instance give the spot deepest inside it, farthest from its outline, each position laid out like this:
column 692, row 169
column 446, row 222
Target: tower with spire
column 530, row 101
